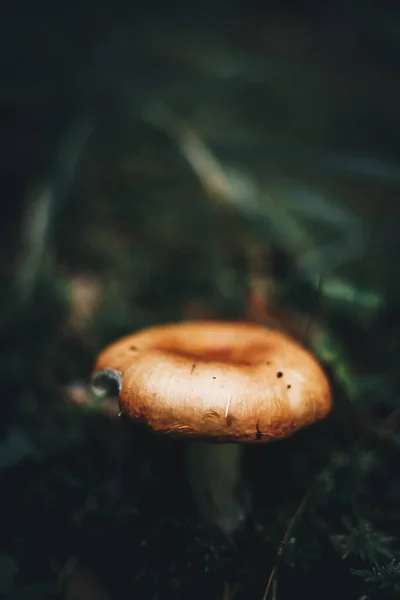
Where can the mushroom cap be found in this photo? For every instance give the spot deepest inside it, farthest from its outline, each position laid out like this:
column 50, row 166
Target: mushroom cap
column 216, row 381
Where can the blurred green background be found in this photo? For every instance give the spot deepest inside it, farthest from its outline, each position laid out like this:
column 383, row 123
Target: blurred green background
column 170, row 162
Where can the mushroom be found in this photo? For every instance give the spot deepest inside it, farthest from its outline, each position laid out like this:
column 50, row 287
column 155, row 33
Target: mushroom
column 218, row 385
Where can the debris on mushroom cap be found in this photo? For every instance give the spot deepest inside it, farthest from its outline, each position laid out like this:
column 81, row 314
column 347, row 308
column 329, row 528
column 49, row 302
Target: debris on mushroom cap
column 225, row 382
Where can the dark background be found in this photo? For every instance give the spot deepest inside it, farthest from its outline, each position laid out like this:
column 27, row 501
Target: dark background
column 106, row 228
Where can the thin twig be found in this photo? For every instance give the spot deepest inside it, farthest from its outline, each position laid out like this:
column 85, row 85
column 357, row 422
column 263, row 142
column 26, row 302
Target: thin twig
column 299, row 511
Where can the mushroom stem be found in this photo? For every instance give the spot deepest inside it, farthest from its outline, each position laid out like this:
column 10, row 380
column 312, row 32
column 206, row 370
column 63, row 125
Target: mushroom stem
column 216, row 477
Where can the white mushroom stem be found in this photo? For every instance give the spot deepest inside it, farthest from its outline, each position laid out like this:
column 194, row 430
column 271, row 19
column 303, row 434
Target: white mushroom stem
column 215, row 473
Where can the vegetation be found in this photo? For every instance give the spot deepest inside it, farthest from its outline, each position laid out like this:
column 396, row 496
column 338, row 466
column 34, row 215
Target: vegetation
column 204, row 174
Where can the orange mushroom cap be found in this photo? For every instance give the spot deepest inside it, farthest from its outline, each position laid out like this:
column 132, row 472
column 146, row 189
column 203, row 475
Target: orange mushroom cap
column 217, row 381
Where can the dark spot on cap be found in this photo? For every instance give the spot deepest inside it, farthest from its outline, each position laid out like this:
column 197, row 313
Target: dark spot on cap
column 214, row 378
column 193, row 368
column 288, row 386
column 279, row 374
column 133, row 348
column 258, row 432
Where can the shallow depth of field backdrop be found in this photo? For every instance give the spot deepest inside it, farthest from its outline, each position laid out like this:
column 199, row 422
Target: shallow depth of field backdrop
column 230, row 160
